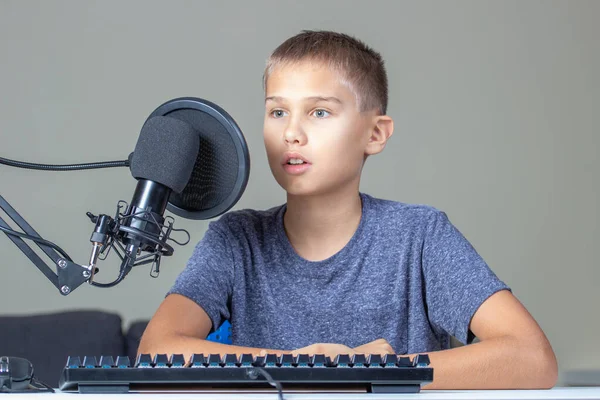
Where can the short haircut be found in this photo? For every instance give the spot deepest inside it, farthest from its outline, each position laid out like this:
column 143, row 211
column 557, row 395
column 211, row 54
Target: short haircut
column 360, row 67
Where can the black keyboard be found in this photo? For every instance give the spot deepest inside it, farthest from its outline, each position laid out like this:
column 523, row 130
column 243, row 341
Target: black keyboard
column 374, row 373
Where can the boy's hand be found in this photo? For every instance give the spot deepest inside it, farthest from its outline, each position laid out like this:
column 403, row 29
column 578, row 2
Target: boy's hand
column 328, row 349
column 379, row 346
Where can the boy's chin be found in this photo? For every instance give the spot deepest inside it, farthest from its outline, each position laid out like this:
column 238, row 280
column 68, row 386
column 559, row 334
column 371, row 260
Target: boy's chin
column 311, row 189
column 305, row 191
column 298, row 190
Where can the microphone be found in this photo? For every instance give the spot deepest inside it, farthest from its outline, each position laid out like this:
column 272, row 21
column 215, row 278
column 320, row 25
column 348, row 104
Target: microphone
column 162, row 162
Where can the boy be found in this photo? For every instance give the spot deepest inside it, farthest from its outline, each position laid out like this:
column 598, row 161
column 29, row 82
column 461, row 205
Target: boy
column 335, row 271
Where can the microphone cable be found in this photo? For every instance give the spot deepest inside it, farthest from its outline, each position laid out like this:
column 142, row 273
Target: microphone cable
column 254, row 372
column 38, row 240
column 67, row 167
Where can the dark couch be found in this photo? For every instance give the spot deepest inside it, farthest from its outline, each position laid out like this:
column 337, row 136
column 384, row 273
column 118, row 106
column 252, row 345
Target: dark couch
column 48, row 339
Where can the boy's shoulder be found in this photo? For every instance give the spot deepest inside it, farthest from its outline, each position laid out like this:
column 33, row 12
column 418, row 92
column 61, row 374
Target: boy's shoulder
column 391, row 217
column 393, row 208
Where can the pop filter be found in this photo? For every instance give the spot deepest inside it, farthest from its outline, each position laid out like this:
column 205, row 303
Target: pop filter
column 222, row 166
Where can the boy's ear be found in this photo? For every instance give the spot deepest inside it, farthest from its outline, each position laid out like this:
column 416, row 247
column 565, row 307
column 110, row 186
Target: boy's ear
column 381, row 130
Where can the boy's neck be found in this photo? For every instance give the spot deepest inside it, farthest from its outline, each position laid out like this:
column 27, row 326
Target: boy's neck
column 320, row 226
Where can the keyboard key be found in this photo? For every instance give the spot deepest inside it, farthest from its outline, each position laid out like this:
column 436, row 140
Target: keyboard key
column 375, row 361
column 107, row 362
column 359, row 361
column 230, row 360
column 343, row 361
column 319, row 361
column 404, row 362
column 198, row 361
column 90, row 362
column 143, row 361
column 421, row 361
column 73, row 362
column 271, row 360
column 214, row 360
column 177, row 361
column 123, row 362
column 303, row 360
column 390, row 360
column 161, row 361
column 246, row 360
column 287, row 360
column 259, row 361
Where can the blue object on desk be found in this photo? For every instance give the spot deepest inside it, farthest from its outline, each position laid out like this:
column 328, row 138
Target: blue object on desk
column 221, row 335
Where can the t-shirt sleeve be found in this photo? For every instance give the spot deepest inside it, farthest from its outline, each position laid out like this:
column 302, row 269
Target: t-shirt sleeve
column 457, row 279
column 208, row 276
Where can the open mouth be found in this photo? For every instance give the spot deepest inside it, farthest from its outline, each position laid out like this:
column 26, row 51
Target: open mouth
column 296, row 161
column 295, row 164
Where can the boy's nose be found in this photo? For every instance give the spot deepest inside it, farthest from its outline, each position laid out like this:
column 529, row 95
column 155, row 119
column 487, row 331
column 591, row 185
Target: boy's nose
column 294, row 135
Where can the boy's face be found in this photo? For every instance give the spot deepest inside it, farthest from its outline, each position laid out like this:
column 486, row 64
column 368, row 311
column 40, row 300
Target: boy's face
column 310, row 115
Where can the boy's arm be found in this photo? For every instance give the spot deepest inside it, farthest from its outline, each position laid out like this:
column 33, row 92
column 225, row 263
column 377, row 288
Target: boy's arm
column 179, row 326
column 513, row 352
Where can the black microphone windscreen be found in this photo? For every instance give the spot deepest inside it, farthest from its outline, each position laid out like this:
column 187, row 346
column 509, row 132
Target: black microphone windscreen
column 165, row 152
column 216, row 171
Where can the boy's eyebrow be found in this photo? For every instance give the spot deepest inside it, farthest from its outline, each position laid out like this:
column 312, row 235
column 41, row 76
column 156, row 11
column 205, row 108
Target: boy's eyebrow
column 312, row 98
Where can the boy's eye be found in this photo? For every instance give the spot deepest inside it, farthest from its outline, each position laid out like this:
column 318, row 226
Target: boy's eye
column 278, row 113
column 321, row 113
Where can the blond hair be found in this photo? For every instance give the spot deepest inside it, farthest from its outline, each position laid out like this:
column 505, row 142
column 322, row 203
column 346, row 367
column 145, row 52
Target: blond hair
column 361, row 68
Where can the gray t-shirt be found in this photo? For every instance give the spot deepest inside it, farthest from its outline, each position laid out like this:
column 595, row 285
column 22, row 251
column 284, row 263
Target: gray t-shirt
column 407, row 275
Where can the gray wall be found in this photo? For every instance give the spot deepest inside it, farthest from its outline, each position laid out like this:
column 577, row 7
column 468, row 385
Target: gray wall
column 495, row 103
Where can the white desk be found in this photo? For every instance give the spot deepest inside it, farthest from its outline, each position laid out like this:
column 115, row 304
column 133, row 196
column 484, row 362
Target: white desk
column 556, row 393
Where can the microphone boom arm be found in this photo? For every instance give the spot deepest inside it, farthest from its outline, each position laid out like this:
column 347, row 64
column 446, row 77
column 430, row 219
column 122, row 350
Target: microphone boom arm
column 70, row 275
column 107, row 235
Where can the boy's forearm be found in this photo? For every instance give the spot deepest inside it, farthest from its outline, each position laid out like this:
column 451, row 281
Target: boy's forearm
column 499, row 363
